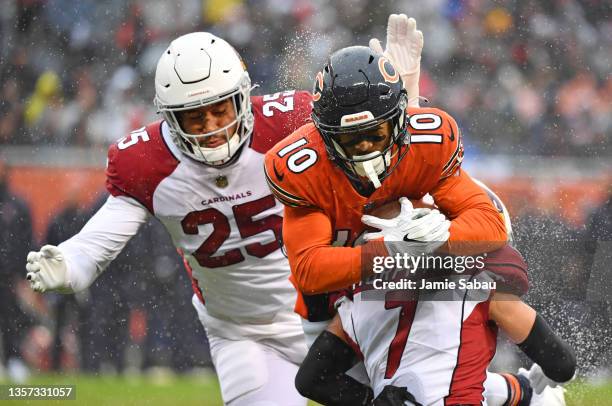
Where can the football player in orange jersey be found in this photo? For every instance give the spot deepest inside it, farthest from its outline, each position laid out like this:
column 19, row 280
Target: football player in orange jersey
column 363, row 150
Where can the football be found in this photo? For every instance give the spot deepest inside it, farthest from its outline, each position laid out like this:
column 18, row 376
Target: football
column 392, row 208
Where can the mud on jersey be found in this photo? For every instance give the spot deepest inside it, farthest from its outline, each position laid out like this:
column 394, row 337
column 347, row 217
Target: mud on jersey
column 224, row 220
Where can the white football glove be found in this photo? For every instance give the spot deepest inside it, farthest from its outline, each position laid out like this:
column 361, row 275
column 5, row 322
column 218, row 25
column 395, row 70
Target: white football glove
column 424, row 225
column 47, row 270
column 537, row 379
column 404, row 46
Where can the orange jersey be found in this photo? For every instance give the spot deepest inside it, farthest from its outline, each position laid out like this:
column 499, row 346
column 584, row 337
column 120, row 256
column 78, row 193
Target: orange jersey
column 323, row 210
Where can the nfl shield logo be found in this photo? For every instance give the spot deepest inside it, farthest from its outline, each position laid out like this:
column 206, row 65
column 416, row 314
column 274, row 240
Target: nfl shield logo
column 221, row 181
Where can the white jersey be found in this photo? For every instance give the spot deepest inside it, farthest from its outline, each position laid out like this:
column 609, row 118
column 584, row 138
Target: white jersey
column 225, row 222
column 438, row 348
column 228, row 228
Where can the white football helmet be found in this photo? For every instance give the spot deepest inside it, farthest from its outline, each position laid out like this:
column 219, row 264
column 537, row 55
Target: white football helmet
column 200, row 69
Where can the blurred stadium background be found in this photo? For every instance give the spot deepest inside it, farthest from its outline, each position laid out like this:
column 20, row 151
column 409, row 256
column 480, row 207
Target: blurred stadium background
column 528, row 81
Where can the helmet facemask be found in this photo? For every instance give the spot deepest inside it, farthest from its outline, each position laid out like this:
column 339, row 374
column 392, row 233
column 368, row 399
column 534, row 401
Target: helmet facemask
column 190, row 144
column 356, row 92
column 374, row 166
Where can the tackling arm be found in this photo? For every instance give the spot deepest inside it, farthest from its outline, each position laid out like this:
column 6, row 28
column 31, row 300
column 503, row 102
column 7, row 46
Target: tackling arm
column 535, row 338
column 77, row 262
column 322, row 376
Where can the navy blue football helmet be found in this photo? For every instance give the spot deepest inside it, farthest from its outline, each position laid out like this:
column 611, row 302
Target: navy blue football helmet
column 356, row 93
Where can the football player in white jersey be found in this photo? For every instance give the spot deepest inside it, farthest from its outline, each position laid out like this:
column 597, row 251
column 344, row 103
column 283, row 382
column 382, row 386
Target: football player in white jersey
column 199, row 172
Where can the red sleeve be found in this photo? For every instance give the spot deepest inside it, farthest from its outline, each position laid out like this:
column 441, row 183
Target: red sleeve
column 509, row 270
column 316, row 266
column 473, row 216
column 137, row 163
column 278, row 115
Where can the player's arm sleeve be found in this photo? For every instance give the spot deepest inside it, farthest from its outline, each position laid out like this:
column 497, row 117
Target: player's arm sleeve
column 89, row 252
column 317, row 266
column 473, row 216
column 322, row 375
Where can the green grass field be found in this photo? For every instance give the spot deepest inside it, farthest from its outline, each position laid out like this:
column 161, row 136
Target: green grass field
column 203, row 390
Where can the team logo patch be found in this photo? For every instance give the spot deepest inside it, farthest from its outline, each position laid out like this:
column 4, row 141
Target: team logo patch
column 221, row 181
column 356, row 118
column 387, row 70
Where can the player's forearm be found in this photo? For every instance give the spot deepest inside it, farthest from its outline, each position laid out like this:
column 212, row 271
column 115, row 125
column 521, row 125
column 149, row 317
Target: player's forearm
column 317, row 267
column 325, row 269
column 104, row 236
column 481, row 223
column 513, row 316
column 411, row 84
column 474, row 217
column 322, row 376
column 82, row 270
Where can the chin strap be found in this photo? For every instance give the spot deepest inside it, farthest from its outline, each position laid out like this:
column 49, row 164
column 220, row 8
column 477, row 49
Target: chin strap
column 223, row 152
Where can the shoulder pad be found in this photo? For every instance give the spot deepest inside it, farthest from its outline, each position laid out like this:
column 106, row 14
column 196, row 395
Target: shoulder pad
column 278, row 115
column 288, row 160
column 437, row 134
column 137, row 163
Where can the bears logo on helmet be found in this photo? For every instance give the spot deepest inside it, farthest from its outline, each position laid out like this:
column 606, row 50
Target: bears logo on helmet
column 387, row 70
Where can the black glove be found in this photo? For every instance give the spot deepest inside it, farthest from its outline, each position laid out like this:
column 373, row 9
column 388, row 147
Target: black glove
column 395, row 396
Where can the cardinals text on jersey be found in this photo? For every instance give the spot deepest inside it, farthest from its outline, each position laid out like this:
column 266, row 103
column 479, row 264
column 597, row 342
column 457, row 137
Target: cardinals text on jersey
column 224, row 221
